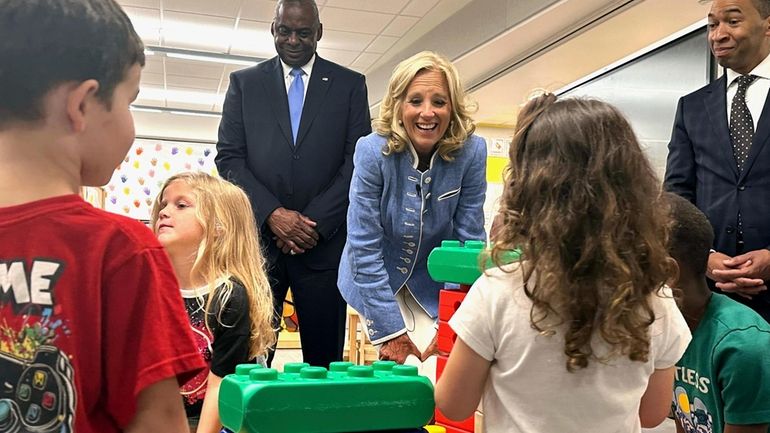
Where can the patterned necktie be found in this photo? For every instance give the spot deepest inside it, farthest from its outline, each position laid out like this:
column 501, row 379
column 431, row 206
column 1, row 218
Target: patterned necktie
column 741, row 123
column 296, row 98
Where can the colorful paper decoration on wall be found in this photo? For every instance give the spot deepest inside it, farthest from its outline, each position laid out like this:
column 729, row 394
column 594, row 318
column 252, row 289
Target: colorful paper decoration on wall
column 138, row 179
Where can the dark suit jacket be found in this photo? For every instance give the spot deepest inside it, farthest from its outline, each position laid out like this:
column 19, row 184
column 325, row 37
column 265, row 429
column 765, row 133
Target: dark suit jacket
column 255, row 149
column 701, row 168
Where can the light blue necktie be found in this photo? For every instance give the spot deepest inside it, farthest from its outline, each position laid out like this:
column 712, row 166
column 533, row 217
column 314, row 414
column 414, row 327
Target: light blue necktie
column 296, row 97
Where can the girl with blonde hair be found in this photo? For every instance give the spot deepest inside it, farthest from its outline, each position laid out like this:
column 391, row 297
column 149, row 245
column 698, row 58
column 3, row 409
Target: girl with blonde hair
column 207, row 226
column 581, row 335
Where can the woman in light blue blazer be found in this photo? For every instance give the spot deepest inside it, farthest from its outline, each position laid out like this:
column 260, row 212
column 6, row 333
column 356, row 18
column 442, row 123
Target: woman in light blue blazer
column 418, row 179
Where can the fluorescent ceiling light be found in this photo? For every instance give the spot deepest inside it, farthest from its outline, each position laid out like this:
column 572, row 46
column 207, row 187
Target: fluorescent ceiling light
column 178, row 111
column 214, row 34
column 146, row 109
column 183, row 96
column 205, row 58
column 195, row 113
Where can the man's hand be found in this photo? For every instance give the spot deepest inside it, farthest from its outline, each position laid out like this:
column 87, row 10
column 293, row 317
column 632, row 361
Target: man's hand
column 743, row 275
column 287, row 247
column 398, row 349
column 296, row 231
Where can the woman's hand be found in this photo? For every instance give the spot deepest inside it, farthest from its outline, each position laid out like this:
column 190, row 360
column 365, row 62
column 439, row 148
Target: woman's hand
column 432, row 349
column 398, row 349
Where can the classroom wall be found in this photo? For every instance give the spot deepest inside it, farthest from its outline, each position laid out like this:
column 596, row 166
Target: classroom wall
column 176, row 126
column 498, row 142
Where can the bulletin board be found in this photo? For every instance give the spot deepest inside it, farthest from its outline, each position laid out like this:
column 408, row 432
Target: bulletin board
column 148, row 164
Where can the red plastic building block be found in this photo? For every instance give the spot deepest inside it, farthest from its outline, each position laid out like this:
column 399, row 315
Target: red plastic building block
column 464, row 425
column 440, row 364
column 450, row 429
column 446, row 337
column 448, row 302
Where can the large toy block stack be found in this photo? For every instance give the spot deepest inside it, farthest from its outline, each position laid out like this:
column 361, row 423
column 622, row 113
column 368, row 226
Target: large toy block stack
column 458, row 266
column 345, row 398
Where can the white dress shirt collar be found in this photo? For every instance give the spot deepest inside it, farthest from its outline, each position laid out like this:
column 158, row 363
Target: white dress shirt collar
column 762, row 70
column 307, row 68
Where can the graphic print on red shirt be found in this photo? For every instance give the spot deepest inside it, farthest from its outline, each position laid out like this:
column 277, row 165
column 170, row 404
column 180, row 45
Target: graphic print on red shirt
column 36, row 377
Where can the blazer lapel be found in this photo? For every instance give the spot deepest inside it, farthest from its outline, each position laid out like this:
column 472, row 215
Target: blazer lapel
column 275, row 88
column 761, row 137
column 716, row 109
column 320, row 80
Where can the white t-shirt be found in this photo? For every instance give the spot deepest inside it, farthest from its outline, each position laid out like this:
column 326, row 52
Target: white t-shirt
column 529, row 388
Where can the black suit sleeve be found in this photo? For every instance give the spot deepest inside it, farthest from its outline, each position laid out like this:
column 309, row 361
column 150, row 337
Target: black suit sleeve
column 329, row 208
column 680, row 164
column 232, row 152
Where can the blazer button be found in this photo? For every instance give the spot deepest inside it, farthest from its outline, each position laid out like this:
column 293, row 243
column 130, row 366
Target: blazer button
column 730, row 230
column 741, row 187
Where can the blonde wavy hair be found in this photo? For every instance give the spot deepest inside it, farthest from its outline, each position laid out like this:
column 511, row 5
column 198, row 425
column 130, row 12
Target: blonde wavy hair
column 583, row 204
column 388, row 124
column 229, row 250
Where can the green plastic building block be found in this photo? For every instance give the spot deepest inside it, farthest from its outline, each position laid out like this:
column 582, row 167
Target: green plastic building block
column 454, row 262
column 344, row 398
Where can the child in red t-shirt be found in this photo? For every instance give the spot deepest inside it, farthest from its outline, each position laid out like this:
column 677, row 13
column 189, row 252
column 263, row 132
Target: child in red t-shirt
column 207, row 226
column 89, row 306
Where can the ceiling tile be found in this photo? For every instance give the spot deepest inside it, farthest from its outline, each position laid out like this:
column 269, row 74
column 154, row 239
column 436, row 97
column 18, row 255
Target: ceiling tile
column 337, row 40
column 192, row 68
column 140, row 3
column 197, row 32
column 354, row 21
column 344, row 58
column 388, row 7
column 400, row 26
column 232, row 68
column 220, row 8
column 189, row 106
column 229, row 69
column 419, row 8
column 365, row 60
column 153, row 65
column 224, row 85
column 253, row 38
column 151, row 79
column 146, row 22
column 190, row 96
column 196, row 83
column 153, row 102
column 382, row 44
column 257, row 10
column 150, row 93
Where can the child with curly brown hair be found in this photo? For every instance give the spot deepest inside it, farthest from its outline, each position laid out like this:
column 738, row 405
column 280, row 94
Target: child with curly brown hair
column 582, row 334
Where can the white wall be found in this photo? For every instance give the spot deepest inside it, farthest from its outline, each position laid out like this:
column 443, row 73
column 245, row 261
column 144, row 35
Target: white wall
column 498, row 141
